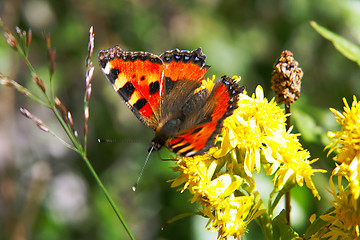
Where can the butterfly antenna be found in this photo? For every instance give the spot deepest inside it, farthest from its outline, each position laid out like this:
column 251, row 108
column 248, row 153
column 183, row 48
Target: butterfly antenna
column 142, row 170
column 210, row 155
column 100, row 140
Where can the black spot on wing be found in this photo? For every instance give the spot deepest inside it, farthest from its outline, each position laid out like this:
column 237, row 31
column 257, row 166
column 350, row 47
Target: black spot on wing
column 140, row 104
column 197, row 130
column 154, row 88
column 126, row 91
column 113, row 75
column 169, row 85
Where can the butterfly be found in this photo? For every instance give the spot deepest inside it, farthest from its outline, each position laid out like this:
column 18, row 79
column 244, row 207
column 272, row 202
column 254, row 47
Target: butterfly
column 164, row 94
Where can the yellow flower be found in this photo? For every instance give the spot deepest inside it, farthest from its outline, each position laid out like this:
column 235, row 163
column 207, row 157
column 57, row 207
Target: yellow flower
column 222, row 180
column 295, row 166
column 344, row 220
column 233, row 216
column 347, row 143
column 228, row 214
column 249, row 126
column 206, row 84
column 257, row 128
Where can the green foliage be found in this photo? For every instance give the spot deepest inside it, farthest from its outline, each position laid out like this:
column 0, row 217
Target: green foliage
column 281, row 229
column 347, row 48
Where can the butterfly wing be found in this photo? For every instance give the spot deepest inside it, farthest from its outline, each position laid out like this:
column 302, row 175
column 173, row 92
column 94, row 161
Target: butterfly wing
column 137, row 78
column 160, row 91
column 181, row 65
column 183, row 74
column 200, row 129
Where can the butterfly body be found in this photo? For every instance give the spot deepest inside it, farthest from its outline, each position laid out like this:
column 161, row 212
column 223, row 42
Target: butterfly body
column 163, row 92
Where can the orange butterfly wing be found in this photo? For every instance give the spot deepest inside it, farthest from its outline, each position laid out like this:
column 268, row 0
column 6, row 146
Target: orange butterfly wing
column 137, row 78
column 220, row 104
column 160, row 91
column 184, row 64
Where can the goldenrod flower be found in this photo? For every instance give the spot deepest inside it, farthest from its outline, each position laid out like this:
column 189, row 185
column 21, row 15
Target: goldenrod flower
column 344, row 220
column 347, row 143
column 222, row 180
column 294, row 166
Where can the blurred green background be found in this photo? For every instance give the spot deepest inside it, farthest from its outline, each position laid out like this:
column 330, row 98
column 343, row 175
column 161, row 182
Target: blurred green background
column 46, row 191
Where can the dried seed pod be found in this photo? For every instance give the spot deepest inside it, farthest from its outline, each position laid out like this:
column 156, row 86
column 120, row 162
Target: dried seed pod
column 286, row 78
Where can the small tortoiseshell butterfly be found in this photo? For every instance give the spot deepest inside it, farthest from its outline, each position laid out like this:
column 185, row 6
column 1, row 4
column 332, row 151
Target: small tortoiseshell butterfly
column 160, row 91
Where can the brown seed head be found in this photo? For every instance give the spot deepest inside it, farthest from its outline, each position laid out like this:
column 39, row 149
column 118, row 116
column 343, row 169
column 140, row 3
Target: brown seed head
column 70, row 119
column 286, row 79
column 25, row 112
column 29, row 37
column 88, row 92
column 11, row 40
column 19, row 32
column 51, row 53
column 51, row 56
column 64, row 112
column 39, row 82
column 91, row 42
column 89, row 75
column 43, row 127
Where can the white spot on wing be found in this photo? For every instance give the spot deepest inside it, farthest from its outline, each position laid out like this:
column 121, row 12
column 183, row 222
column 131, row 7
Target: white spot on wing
column 106, row 69
column 190, row 154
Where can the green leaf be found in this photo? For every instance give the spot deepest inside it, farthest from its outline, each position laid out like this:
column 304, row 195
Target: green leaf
column 345, row 47
column 280, row 228
column 316, row 226
column 179, row 217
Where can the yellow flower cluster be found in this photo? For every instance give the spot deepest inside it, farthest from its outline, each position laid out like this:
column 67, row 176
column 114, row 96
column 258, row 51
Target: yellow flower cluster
column 344, row 220
column 222, row 180
column 347, row 143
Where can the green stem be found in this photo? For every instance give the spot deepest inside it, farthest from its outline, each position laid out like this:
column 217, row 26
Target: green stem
column 32, row 70
column 21, row 89
column 266, row 226
column 66, row 128
column 64, row 143
column 276, row 201
column 107, row 196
